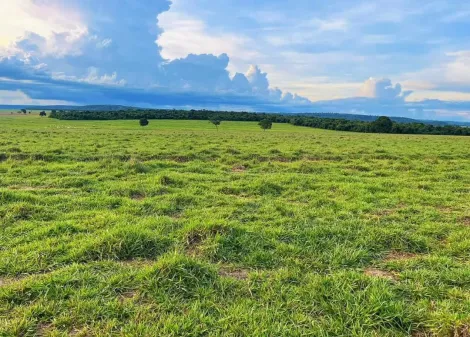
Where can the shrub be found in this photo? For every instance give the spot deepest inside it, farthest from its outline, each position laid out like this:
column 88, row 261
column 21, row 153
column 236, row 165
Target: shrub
column 216, row 122
column 265, row 124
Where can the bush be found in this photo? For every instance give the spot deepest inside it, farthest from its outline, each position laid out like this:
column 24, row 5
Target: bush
column 265, row 124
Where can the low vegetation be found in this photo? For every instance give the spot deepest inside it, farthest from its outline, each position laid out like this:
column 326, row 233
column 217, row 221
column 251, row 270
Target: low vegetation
column 180, row 230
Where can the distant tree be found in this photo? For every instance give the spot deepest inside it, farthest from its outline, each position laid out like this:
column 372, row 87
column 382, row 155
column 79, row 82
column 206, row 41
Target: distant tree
column 216, row 122
column 143, row 122
column 23, row 111
column 383, row 124
column 265, row 124
column 43, row 114
column 29, row 112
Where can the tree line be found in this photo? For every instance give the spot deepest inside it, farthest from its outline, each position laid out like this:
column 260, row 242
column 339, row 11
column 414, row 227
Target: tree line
column 380, row 125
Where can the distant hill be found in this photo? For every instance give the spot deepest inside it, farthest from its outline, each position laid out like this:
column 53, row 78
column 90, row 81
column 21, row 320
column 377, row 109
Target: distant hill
column 69, row 107
column 354, row 117
column 371, row 118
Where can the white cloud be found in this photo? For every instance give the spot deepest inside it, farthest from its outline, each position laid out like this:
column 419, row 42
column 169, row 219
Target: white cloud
column 93, row 77
column 322, row 89
column 330, row 25
column 449, row 76
column 258, row 79
column 183, row 35
column 45, row 18
column 458, row 71
column 17, row 97
column 57, row 45
column 104, row 43
column 383, row 89
column 417, row 96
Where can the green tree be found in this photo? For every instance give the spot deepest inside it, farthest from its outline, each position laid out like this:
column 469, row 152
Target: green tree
column 43, row 114
column 143, row 122
column 265, row 124
column 383, row 124
column 216, row 122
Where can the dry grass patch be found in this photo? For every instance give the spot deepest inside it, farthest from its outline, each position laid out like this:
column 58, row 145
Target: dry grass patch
column 43, row 329
column 83, row 332
column 374, row 272
column 238, row 274
column 465, row 220
column 399, row 256
column 238, row 169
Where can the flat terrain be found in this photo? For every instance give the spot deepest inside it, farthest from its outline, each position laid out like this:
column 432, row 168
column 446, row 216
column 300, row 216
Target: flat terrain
column 176, row 229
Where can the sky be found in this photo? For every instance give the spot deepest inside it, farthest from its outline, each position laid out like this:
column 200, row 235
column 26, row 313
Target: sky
column 407, row 58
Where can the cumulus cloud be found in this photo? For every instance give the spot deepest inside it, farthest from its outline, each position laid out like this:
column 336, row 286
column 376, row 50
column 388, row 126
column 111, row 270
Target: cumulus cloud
column 106, row 46
column 94, row 77
column 112, row 54
column 241, row 84
column 197, row 72
column 383, row 89
column 258, row 80
column 458, row 70
column 22, row 68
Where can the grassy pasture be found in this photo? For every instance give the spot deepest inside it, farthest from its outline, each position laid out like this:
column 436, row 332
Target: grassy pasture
column 176, row 229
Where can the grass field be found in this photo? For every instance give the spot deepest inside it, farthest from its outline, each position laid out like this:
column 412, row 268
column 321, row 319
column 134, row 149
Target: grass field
column 110, row 229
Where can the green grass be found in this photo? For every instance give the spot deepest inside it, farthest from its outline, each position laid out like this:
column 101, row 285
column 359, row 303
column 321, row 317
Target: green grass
column 176, row 229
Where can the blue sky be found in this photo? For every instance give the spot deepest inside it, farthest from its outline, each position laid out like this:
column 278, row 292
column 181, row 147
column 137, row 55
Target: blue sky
column 405, row 58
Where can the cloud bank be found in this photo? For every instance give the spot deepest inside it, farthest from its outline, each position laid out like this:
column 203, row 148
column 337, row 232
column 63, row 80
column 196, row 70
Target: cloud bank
column 109, row 54
column 106, row 49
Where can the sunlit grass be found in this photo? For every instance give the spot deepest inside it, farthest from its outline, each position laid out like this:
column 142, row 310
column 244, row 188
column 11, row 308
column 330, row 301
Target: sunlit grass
column 177, row 229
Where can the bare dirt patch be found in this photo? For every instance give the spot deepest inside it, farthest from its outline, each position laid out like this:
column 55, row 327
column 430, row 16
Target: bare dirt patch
column 138, row 196
column 238, row 274
column 466, row 220
column 390, row 211
column 458, row 331
column 128, row 295
column 445, row 209
column 196, row 238
column 399, row 256
column 79, row 332
column 238, row 169
column 374, row 272
column 7, row 281
column 43, row 329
